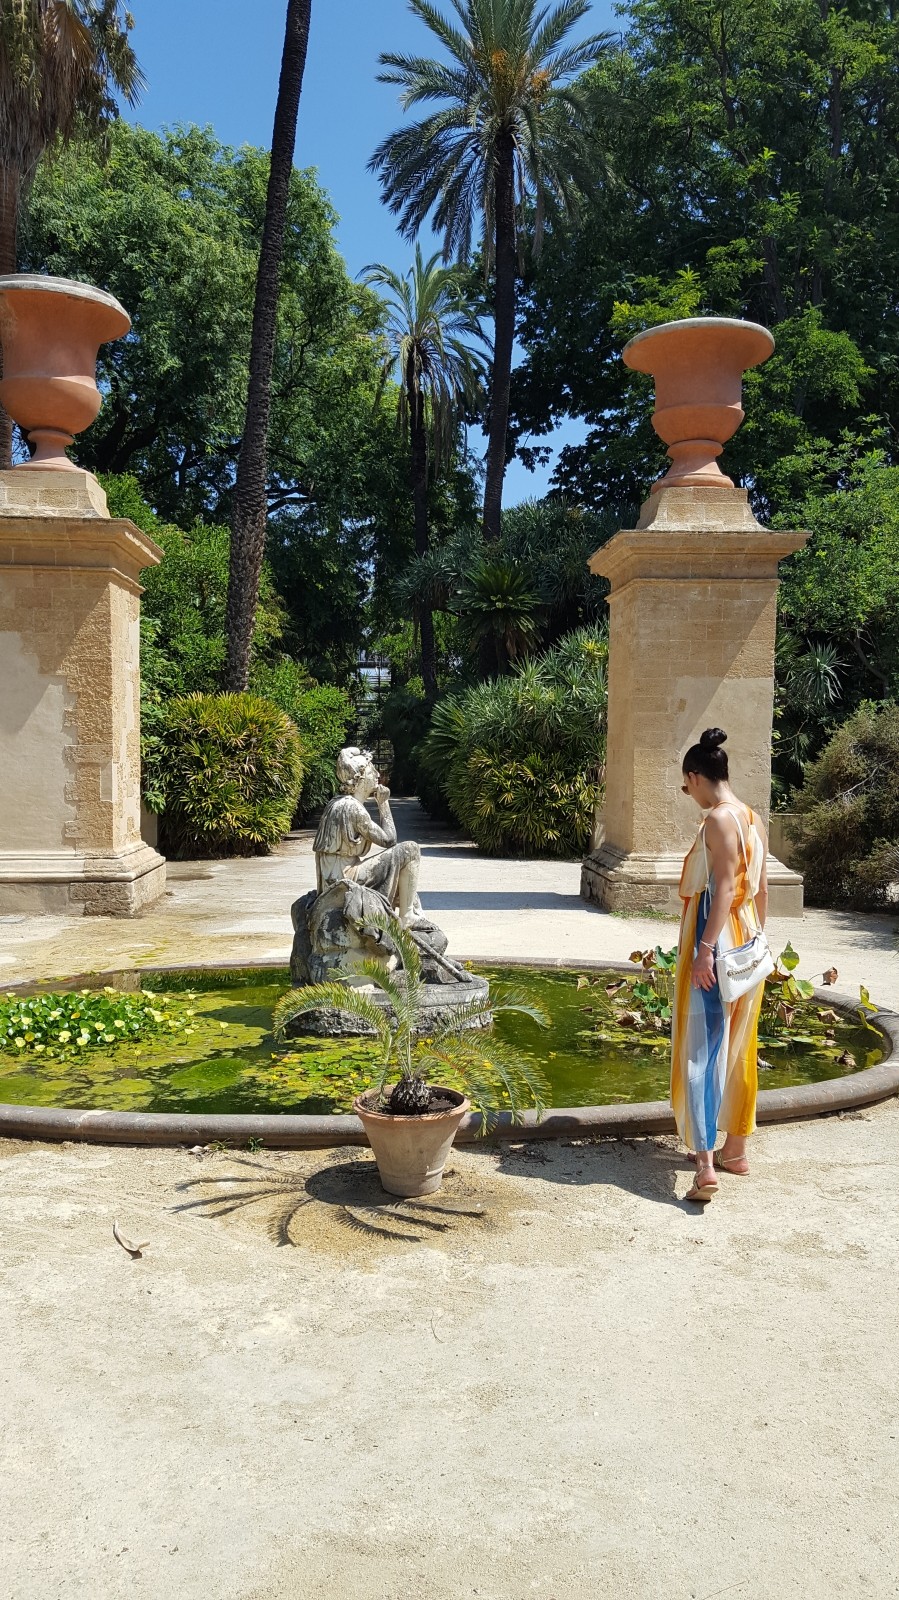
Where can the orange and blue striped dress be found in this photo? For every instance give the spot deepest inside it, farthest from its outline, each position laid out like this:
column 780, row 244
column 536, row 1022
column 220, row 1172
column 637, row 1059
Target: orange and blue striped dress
column 714, row 1047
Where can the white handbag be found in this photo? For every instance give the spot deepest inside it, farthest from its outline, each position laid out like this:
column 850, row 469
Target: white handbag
column 742, row 969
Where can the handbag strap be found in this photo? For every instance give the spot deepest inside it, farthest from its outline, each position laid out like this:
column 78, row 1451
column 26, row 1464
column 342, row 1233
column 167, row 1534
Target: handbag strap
column 750, row 898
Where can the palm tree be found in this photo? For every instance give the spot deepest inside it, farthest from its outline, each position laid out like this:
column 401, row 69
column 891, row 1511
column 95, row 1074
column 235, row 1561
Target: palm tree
column 62, row 63
column 498, row 607
column 510, row 128
column 430, row 329
column 460, row 1050
column 249, row 507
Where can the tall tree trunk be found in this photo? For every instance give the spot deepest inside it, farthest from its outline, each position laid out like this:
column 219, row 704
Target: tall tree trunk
column 9, row 262
column 419, row 443
column 248, row 515
column 504, row 336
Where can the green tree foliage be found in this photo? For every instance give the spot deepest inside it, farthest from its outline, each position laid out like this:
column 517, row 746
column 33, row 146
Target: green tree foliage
column 227, row 771
column 433, row 339
column 839, row 603
column 523, row 594
column 509, row 124
column 183, row 606
column 519, row 759
column 171, row 225
column 754, row 160
column 323, row 715
column 183, row 646
column 62, row 65
column 847, row 828
column 185, row 596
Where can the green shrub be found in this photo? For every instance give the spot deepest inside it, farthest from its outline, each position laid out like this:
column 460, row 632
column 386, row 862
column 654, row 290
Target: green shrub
column 227, row 770
column 519, row 759
column 323, row 715
column 847, row 824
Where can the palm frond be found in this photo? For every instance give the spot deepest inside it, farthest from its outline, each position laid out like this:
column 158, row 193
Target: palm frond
column 508, row 72
column 334, row 996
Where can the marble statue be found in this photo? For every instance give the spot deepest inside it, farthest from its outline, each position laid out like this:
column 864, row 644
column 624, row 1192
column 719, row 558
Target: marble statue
column 364, row 874
column 347, row 832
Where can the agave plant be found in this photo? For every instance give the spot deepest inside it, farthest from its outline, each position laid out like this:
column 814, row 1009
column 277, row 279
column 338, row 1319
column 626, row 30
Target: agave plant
column 491, row 1073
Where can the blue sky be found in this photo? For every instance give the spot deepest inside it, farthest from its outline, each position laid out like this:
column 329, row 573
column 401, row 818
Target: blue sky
column 216, row 62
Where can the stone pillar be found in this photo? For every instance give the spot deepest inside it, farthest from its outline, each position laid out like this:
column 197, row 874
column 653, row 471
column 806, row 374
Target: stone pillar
column 70, row 820
column 693, row 608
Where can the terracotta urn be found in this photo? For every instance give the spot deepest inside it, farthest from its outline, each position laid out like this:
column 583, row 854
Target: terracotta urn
column 698, row 366
column 411, row 1152
column 51, row 330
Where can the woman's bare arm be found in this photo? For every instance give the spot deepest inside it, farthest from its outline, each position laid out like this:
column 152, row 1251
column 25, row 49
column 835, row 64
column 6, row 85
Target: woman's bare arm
column 761, row 899
column 721, row 847
column 382, row 832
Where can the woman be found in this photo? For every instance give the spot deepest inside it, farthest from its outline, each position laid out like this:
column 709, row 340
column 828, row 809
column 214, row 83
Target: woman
column 724, row 887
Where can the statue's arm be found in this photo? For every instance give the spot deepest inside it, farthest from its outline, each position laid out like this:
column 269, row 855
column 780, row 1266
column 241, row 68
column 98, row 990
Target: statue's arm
column 383, row 831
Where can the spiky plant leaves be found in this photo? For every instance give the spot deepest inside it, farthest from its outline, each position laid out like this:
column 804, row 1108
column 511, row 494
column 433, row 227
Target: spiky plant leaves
column 497, row 605
column 335, row 996
column 485, row 1068
column 476, row 1013
column 435, row 345
column 520, row 759
column 847, row 822
column 494, row 1075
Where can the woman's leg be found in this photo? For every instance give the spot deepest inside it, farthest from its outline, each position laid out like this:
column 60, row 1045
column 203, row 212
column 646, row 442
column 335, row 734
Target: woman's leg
column 737, row 1115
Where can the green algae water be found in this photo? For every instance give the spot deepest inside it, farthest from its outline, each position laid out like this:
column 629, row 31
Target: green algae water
column 230, row 1063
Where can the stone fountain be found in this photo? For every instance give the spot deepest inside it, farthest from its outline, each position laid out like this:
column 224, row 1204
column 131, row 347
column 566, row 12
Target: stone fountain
column 366, row 875
column 693, row 608
column 70, row 832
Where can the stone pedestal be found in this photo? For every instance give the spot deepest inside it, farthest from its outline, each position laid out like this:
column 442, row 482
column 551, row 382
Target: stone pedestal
column 693, row 608
column 70, row 818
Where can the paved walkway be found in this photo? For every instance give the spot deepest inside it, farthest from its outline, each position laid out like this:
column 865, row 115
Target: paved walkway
column 491, row 910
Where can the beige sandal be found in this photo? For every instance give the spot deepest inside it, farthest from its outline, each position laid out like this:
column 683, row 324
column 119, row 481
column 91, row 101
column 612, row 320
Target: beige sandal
column 702, row 1191
column 731, row 1164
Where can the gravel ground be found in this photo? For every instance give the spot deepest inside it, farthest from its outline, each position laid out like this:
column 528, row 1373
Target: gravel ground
column 553, row 1380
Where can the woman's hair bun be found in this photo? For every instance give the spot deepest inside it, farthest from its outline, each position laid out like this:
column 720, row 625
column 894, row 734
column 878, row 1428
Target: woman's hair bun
column 712, row 738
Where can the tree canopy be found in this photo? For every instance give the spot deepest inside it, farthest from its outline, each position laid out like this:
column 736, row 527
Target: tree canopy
column 753, row 160
column 170, row 224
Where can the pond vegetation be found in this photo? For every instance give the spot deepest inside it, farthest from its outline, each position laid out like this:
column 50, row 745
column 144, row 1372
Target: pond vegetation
column 204, row 1042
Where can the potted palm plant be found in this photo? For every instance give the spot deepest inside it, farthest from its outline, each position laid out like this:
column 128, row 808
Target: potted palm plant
column 411, row 1122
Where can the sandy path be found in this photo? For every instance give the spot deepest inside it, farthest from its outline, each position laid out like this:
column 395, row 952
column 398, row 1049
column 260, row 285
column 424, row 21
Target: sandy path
column 585, row 1388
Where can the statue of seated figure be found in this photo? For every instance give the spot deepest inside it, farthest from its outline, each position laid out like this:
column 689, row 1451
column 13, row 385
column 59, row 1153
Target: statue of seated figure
column 347, row 832
column 366, row 877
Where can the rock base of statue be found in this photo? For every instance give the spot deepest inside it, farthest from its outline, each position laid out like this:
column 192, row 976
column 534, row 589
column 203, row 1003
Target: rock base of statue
column 334, row 930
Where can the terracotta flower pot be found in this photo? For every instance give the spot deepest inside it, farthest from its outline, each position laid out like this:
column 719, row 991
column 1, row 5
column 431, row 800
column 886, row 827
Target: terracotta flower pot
column 411, row 1152
column 51, row 330
column 698, row 366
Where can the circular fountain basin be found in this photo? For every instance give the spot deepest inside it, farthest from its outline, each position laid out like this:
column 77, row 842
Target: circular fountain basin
column 230, row 1084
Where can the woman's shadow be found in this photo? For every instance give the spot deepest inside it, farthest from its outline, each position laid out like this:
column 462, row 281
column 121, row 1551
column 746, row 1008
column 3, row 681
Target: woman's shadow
column 648, row 1168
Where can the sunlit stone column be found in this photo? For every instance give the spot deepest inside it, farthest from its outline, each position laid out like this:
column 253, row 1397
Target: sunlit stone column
column 70, row 835
column 693, row 609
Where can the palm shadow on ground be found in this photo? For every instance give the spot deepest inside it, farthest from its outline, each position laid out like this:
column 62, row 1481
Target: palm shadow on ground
column 353, row 1198
column 351, row 1189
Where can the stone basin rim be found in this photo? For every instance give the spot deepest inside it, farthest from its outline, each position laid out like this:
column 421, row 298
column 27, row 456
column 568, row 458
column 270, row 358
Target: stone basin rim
column 295, row 1132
